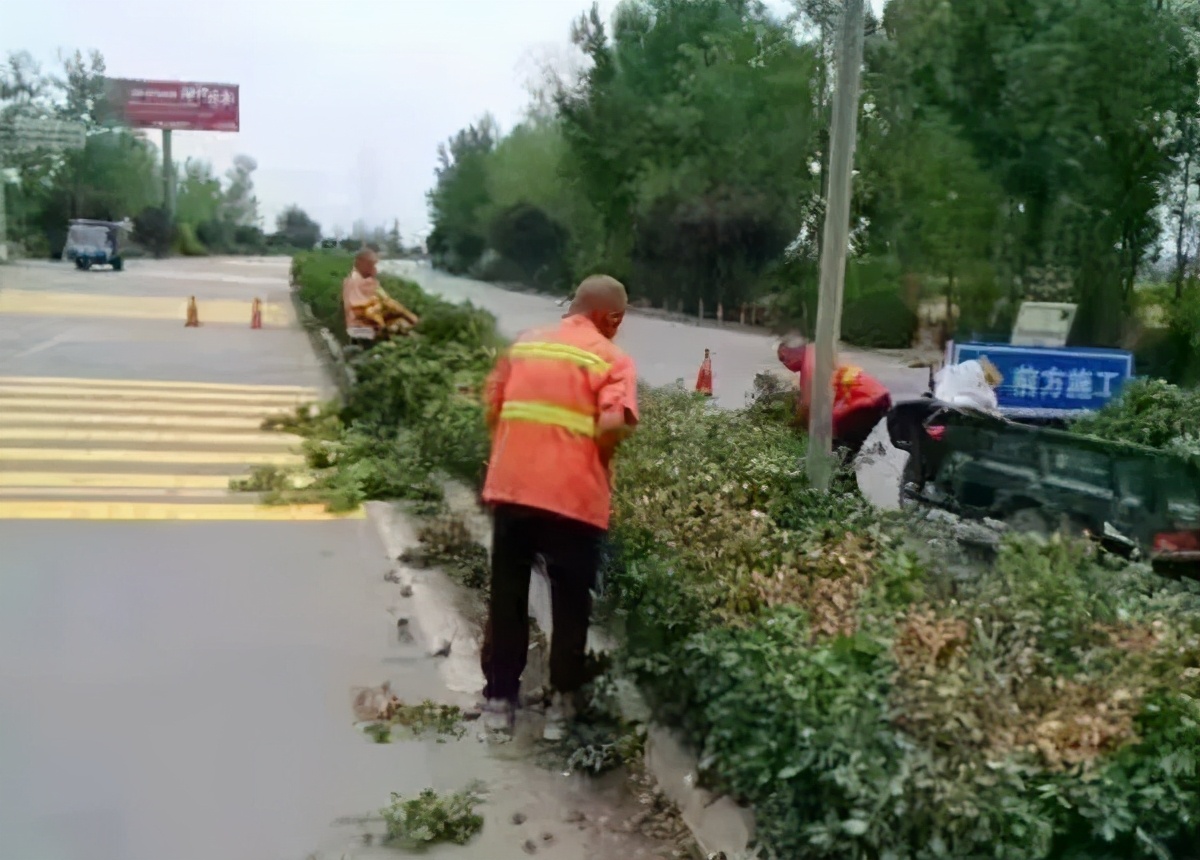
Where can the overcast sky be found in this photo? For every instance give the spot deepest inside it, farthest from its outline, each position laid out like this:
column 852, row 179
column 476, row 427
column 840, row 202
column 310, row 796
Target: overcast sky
column 343, row 101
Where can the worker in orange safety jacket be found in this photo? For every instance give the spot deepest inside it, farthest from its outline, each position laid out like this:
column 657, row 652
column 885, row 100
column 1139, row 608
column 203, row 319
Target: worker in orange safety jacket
column 860, row 401
column 558, row 403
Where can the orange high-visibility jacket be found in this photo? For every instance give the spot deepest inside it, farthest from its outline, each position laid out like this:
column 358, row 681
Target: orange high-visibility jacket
column 854, row 388
column 544, row 399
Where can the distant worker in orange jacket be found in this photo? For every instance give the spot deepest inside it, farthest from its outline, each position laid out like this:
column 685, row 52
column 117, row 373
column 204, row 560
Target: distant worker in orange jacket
column 367, row 306
column 558, row 404
column 860, row 401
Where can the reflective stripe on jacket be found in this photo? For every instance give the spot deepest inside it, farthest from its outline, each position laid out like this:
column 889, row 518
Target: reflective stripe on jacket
column 853, row 388
column 544, row 399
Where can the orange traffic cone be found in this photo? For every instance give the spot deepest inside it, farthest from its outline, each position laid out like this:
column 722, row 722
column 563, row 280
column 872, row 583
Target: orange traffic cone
column 193, row 315
column 256, row 314
column 704, row 377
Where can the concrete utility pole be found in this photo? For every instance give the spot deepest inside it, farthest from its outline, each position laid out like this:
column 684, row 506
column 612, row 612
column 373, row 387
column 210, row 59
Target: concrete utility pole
column 834, row 241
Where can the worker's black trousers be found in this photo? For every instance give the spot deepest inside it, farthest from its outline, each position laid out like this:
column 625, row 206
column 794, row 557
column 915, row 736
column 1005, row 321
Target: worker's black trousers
column 571, row 550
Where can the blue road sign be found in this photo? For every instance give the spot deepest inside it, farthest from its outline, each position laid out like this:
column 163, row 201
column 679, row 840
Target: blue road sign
column 1050, row 382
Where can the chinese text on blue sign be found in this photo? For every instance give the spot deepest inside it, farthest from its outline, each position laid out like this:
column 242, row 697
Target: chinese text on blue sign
column 1046, row 381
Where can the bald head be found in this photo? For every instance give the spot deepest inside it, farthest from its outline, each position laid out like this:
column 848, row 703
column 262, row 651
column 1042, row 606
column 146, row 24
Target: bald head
column 366, row 262
column 603, row 300
column 599, row 293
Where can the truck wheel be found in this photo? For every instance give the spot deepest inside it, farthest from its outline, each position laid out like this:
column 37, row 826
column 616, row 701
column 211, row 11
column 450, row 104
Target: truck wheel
column 1030, row 521
column 910, row 480
column 87, row 264
column 80, row 263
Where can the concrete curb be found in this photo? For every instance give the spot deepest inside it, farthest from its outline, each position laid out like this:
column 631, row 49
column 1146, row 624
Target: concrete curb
column 438, row 613
column 325, row 345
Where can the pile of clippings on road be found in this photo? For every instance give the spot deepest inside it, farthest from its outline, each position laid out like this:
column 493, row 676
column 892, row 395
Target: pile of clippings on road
column 856, row 688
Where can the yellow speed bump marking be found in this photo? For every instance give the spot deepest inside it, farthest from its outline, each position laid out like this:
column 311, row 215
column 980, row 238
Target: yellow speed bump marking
column 99, row 510
column 52, row 403
column 114, row 480
column 267, row 399
column 117, row 492
column 130, row 420
column 67, row 434
column 164, row 384
column 230, row 311
column 103, row 455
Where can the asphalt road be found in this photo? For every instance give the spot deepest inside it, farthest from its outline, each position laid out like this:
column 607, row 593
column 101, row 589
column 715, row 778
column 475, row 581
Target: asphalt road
column 182, row 690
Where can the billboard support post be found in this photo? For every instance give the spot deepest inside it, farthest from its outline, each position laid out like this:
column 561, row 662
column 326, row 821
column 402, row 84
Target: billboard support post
column 174, row 106
column 168, row 175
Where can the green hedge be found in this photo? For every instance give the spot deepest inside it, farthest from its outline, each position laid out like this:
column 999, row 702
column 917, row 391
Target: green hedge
column 318, row 275
column 415, row 410
column 831, row 667
column 867, row 698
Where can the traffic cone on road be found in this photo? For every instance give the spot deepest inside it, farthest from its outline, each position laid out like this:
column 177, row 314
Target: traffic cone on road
column 193, row 315
column 256, row 314
column 704, row 380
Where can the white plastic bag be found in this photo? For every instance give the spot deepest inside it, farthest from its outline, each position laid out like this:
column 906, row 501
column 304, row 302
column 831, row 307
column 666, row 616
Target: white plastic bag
column 965, row 385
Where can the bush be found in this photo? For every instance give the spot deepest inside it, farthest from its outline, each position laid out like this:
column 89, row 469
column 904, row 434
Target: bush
column 153, row 228
column 868, row 701
column 1148, row 412
column 879, row 319
column 318, row 277
column 874, row 313
column 186, row 242
column 831, row 666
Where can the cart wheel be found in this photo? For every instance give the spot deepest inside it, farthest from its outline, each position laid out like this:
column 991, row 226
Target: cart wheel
column 80, row 263
column 910, row 482
column 118, row 264
column 87, row 264
column 1030, row 521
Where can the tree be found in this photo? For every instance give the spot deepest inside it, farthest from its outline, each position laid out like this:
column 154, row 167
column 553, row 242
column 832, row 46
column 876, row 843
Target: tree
column 460, row 198
column 240, row 206
column 199, row 197
column 299, row 230
column 153, row 228
column 527, row 236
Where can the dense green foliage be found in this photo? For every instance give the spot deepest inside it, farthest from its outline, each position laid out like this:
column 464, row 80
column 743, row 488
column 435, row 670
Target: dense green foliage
column 846, row 673
column 118, row 175
column 1148, row 412
column 865, row 697
column 415, row 412
column 1008, row 150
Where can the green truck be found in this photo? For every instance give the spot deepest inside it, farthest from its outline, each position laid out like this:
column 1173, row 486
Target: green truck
column 1134, row 500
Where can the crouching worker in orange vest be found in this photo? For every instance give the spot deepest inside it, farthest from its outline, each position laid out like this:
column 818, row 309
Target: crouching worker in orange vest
column 860, row 401
column 558, row 403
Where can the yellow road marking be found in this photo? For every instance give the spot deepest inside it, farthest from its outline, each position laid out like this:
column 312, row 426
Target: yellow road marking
column 120, row 492
column 67, row 434
column 268, row 400
column 123, row 405
column 151, row 383
column 114, row 480
column 129, row 420
column 101, row 455
column 138, row 307
column 68, row 510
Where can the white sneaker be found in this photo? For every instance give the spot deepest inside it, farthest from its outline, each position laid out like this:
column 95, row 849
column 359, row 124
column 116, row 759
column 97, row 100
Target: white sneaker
column 559, row 716
column 499, row 715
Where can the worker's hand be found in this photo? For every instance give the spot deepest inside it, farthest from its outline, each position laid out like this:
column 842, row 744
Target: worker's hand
column 614, row 425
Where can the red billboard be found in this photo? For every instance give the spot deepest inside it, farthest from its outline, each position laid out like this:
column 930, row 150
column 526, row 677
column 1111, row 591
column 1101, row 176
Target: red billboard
column 175, row 105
